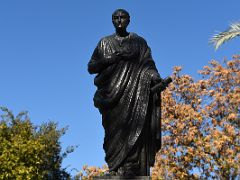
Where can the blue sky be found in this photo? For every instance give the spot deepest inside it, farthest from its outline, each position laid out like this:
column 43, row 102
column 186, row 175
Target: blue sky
column 45, row 47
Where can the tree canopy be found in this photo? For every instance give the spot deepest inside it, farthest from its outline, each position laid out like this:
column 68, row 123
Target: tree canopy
column 200, row 124
column 28, row 151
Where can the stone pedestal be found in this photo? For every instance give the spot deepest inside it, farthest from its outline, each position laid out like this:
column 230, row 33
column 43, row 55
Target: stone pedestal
column 122, row 177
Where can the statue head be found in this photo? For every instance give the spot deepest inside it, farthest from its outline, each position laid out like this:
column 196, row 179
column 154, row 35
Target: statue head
column 120, row 19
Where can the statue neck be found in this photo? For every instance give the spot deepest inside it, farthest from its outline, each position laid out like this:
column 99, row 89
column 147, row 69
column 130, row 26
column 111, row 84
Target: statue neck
column 122, row 32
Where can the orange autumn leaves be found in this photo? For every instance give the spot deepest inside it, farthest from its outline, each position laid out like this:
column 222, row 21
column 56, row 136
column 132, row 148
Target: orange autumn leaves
column 90, row 171
column 200, row 124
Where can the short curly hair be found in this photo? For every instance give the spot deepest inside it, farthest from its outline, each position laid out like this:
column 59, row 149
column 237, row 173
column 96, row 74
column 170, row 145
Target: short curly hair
column 122, row 10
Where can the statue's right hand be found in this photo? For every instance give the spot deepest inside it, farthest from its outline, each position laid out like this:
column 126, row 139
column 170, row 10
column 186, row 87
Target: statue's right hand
column 123, row 56
column 111, row 59
column 116, row 56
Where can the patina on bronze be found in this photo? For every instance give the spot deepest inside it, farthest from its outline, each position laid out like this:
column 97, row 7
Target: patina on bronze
column 128, row 97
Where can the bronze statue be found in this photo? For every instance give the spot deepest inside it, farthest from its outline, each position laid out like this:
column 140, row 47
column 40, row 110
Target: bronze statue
column 128, row 97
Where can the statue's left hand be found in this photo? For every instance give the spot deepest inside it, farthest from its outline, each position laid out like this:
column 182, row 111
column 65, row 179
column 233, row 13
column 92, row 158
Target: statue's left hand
column 161, row 86
column 156, row 79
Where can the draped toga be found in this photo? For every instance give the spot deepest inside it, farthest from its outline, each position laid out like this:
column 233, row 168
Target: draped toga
column 129, row 110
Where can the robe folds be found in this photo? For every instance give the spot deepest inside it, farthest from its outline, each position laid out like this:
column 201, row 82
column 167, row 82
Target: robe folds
column 123, row 97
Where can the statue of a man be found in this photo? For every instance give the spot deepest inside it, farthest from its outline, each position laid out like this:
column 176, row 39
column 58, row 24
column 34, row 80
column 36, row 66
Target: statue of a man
column 126, row 73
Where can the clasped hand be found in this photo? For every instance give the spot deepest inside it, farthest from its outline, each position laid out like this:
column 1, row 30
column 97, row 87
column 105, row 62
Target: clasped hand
column 122, row 55
column 118, row 56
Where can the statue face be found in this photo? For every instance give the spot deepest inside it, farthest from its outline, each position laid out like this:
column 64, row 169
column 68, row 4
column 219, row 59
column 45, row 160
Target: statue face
column 120, row 19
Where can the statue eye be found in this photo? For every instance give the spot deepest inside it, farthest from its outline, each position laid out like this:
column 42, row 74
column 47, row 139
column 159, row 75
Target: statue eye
column 124, row 17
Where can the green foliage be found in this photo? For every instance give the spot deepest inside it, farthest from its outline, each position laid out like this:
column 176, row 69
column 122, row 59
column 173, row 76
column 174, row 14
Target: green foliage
column 28, row 151
column 220, row 38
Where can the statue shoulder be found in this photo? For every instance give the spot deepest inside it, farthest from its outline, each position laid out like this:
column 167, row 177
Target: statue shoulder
column 103, row 41
column 107, row 38
column 140, row 39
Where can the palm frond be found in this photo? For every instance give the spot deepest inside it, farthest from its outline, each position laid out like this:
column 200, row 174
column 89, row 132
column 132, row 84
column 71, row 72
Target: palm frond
column 218, row 39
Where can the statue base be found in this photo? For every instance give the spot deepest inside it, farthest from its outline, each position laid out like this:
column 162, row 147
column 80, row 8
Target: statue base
column 122, row 177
